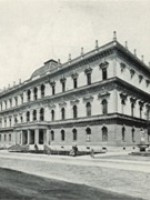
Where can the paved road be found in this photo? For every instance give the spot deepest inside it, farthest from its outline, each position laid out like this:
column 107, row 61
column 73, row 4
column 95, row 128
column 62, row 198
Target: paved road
column 128, row 177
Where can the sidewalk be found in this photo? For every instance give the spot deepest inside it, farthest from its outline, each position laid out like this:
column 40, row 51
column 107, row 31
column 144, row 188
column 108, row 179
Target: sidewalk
column 131, row 165
column 126, row 177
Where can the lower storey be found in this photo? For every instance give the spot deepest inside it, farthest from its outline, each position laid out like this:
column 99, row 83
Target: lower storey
column 89, row 136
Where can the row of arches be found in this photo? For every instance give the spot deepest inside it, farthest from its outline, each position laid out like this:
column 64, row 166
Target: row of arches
column 34, row 115
column 40, row 114
column 35, row 92
column 75, row 110
column 88, row 133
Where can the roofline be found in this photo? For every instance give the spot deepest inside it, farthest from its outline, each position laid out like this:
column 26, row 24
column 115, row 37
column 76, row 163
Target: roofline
column 110, row 45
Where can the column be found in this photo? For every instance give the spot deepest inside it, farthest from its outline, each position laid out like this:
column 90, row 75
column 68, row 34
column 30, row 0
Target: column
column 37, row 136
column 28, row 136
column 46, row 137
column 21, row 137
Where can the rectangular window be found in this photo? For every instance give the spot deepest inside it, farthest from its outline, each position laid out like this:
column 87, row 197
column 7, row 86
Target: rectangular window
column 75, row 83
column 88, row 78
column 104, row 74
column 63, row 86
column 53, row 90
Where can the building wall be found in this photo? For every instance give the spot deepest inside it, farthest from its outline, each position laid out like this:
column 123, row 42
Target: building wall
column 15, row 103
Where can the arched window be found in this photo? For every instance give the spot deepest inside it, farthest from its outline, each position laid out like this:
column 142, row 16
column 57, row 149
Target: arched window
column 34, row 115
column 28, row 116
column 35, row 93
column 74, row 131
column 123, row 134
column 88, row 134
column 42, row 114
column 52, row 135
column 75, row 112
column 52, row 115
column 88, row 109
column 29, row 95
column 62, row 135
column 63, row 113
column 133, row 134
column 104, row 134
column 104, row 106
column 42, row 91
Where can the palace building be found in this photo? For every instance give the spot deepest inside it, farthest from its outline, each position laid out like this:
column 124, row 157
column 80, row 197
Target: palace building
column 99, row 99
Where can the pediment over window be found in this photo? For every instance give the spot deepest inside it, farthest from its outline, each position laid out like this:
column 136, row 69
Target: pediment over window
column 132, row 72
column 133, row 100
column 74, row 75
column 104, row 65
column 74, row 102
column 103, row 94
column 141, row 103
column 52, row 83
column 51, row 106
column 62, row 79
column 123, row 96
column 88, row 70
column 62, row 104
column 88, row 98
column 140, row 78
column 123, row 66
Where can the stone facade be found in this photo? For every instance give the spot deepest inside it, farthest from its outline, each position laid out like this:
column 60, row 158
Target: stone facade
column 99, row 99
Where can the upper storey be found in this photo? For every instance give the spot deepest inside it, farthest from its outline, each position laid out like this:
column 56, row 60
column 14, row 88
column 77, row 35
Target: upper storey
column 105, row 62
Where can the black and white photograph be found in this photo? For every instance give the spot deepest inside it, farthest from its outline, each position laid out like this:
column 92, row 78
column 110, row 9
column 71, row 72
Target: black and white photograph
column 74, row 100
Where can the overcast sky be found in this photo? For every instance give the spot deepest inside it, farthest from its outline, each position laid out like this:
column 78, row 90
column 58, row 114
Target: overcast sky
column 34, row 31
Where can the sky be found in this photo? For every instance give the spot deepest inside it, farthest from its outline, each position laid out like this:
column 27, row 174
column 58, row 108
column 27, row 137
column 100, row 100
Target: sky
column 34, row 31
